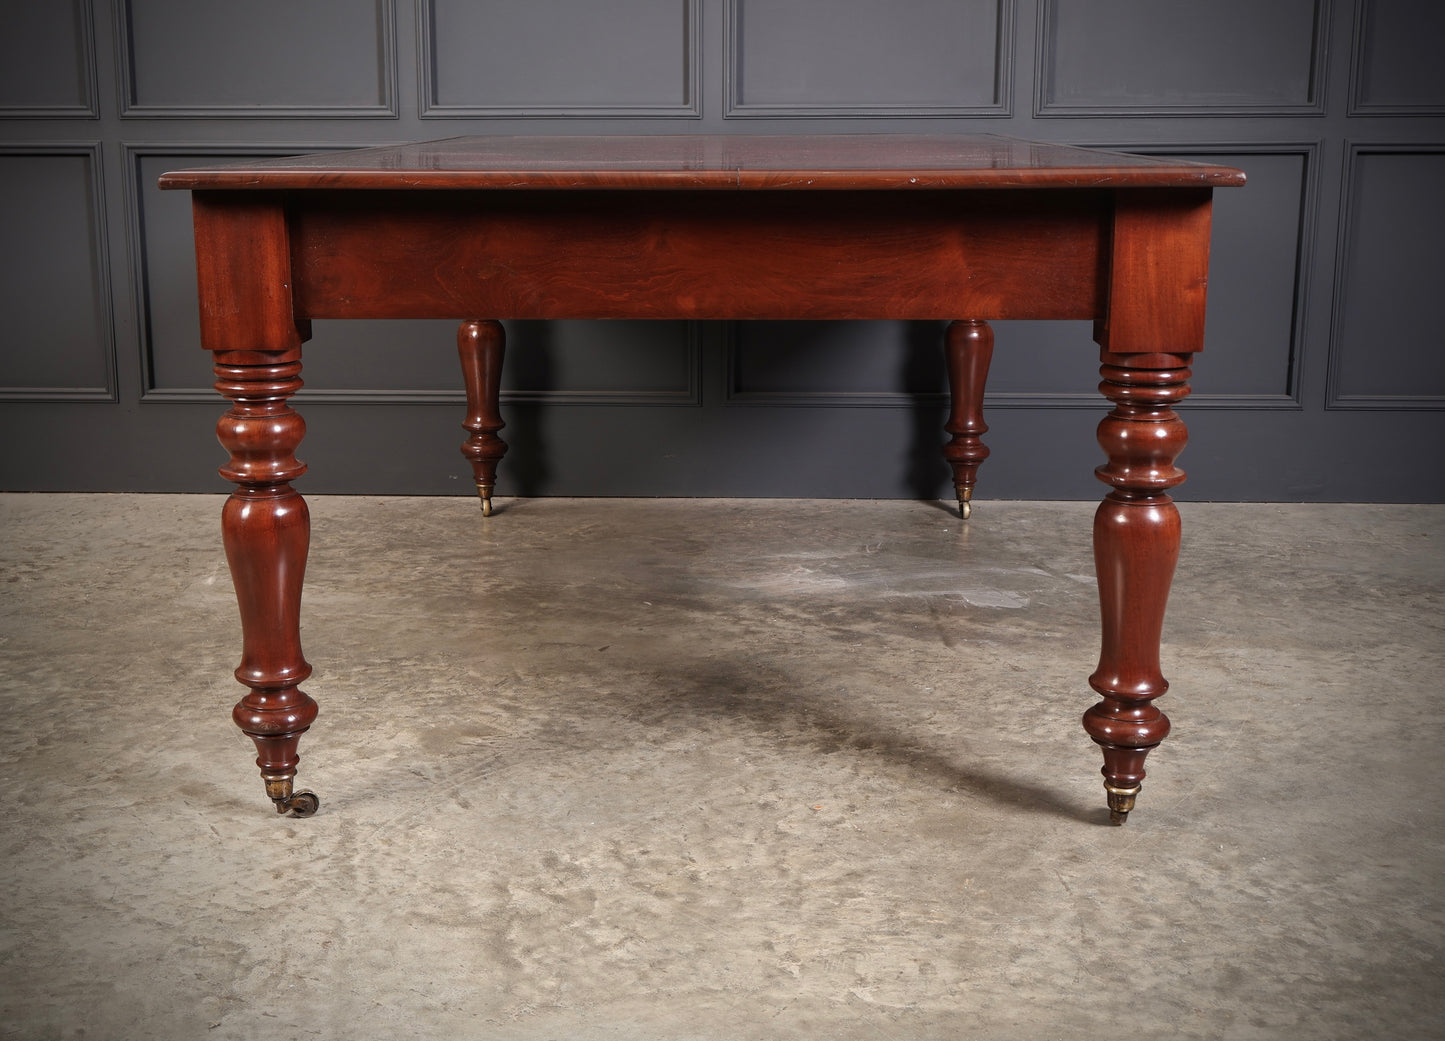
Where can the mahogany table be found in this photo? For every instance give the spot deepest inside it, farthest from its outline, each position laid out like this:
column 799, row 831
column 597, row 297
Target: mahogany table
column 967, row 228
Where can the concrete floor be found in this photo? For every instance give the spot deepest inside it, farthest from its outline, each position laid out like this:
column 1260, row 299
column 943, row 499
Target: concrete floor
column 733, row 770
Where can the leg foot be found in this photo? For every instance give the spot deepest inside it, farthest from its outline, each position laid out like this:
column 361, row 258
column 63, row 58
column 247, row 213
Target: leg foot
column 968, row 348
column 481, row 345
column 1121, row 801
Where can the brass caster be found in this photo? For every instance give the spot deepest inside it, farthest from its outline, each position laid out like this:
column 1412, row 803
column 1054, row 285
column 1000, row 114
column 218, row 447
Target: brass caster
column 300, row 804
column 485, row 491
column 965, row 502
column 1121, row 801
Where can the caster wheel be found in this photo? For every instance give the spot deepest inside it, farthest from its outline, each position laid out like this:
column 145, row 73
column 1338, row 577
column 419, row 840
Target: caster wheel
column 303, row 804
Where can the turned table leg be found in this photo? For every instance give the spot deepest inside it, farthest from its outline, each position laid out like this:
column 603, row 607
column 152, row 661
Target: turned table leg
column 481, row 345
column 1136, row 545
column 968, row 348
column 266, row 530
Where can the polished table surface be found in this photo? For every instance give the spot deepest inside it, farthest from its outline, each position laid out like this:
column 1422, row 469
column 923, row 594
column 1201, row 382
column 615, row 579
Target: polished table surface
column 478, row 229
column 713, row 161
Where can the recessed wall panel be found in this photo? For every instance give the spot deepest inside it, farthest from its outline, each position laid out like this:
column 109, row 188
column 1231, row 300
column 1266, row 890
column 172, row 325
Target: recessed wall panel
column 1398, row 63
column 339, row 357
column 46, row 59
column 55, row 342
column 262, row 57
column 165, row 265
column 851, row 364
column 559, row 57
column 868, row 57
column 834, row 363
column 1179, row 56
column 1389, row 345
column 1258, row 250
column 614, row 362
column 1252, row 329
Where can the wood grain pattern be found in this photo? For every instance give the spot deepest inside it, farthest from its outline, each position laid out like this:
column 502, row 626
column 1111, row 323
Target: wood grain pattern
column 699, row 255
column 243, row 271
column 1158, row 272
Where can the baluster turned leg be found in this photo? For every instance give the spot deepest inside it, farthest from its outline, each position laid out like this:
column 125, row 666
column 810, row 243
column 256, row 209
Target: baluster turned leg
column 968, row 347
column 1136, row 545
column 481, row 345
column 266, row 529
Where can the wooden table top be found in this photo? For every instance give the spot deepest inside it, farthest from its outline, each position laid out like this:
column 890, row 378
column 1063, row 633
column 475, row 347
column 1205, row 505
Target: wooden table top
column 715, row 161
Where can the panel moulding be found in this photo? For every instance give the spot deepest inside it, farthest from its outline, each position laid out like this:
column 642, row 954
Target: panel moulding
column 385, row 108
column 100, row 258
column 133, row 153
column 89, row 108
column 1335, row 398
column 1045, row 84
column 1359, row 68
column 1287, row 400
column 736, row 107
column 1290, row 398
column 687, row 395
column 432, row 108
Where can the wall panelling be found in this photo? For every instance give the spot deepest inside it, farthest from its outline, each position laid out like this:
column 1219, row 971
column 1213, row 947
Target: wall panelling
column 58, row 342
column 259, row 58
column 1322, row 356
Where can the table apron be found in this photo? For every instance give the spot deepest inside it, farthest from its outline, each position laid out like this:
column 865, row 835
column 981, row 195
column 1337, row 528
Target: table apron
column 701, row 255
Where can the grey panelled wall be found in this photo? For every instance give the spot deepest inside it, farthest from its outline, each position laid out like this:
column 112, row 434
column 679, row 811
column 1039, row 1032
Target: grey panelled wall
column 1323, row 378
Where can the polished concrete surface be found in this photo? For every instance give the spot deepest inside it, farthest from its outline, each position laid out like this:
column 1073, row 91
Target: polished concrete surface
column 740, row 770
